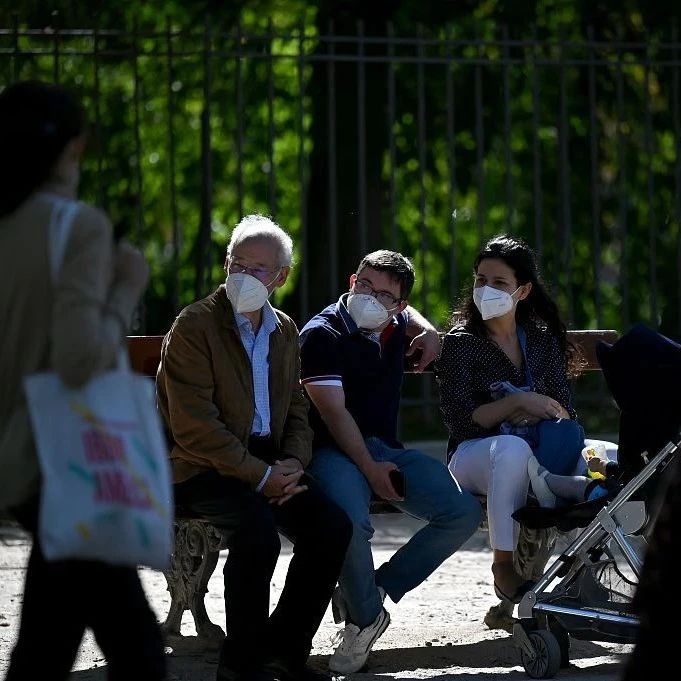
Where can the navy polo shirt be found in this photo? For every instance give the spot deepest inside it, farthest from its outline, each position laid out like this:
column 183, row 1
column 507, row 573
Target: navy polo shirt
column 369, row 367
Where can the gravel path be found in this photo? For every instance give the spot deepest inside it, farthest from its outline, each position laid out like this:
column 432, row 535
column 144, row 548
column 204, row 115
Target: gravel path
column 436, row 631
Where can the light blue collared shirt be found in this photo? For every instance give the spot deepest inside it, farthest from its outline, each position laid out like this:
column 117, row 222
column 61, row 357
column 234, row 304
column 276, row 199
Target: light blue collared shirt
column 258, row 349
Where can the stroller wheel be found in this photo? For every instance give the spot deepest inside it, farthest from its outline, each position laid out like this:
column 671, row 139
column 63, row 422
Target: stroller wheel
column 563, row 639
column 545, row 662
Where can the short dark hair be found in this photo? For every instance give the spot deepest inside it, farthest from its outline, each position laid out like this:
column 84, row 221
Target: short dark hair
column 395, row 264
column 37, row 121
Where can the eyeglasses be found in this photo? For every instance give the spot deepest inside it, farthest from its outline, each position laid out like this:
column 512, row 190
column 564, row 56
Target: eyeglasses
column 257, row 272
column 386, row 299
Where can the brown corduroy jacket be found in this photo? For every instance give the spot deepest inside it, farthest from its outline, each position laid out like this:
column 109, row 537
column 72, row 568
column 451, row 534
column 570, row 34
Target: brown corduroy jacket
column 205, row 393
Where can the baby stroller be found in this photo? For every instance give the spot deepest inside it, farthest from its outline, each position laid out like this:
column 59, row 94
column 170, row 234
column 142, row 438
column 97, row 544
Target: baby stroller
column 592, row 582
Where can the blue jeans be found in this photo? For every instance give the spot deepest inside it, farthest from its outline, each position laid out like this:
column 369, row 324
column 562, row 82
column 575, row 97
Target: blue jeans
column 432, row 495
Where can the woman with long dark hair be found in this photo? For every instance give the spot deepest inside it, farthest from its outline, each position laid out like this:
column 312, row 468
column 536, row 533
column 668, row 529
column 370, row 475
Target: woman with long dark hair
column 503, row 369
column 66, row 301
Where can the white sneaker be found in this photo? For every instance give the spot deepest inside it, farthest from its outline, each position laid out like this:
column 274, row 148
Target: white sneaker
column 545, row 497
column 339, row 609
column 355, row 645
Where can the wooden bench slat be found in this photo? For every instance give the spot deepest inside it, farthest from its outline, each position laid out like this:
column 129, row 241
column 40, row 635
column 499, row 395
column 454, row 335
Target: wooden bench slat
column 588, row 340
column 145, row 351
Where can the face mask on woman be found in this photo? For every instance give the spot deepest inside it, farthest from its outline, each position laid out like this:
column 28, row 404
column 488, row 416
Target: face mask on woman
column 366, row 311
column 493, row 302
column 245, row 292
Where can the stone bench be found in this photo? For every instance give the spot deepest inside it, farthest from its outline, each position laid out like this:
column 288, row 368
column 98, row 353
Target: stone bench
column 198, row 543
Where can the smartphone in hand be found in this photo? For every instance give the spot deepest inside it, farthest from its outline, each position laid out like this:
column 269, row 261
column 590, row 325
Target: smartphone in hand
column 398, row 482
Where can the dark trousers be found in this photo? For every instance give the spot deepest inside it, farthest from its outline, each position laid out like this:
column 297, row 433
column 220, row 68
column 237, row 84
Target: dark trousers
column 62, row 598
column 320, row 532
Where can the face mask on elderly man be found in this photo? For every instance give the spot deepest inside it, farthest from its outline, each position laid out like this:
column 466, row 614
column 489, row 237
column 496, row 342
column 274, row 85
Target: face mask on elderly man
column 493, row 302
column 366, row 311
column 246, row 292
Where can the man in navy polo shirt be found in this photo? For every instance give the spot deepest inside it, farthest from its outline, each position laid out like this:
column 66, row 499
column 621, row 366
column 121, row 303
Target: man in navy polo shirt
column 352, row 356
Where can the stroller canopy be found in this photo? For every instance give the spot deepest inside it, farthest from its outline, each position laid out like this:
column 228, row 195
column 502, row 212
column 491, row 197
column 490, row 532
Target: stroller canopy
column 643, row 372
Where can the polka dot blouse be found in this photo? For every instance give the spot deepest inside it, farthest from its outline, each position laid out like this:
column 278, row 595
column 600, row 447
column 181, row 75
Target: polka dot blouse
column 469, row 364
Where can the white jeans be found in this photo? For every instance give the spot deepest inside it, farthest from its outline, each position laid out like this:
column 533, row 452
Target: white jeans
column 497, row 468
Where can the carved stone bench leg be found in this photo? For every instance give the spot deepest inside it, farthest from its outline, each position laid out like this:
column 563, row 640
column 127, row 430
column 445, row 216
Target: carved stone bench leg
column 197, row 548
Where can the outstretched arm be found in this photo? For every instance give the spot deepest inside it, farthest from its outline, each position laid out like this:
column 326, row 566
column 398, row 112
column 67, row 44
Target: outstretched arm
column 425, row 339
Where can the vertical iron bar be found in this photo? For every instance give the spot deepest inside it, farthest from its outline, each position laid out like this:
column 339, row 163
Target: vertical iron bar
column 392, row 152
column 426, row 411
column 305, row 270
column 101, row 196
column 16, row 51
column 676, row 108
column 622, row 188
column 566, row 208
column 332, row 177
column 203, row 241
column 595, row 193
column 272, row 196
column 507, row 131
column 536, row 157
column 421, row 123
column 650, row 185
column 175, row 260
column 141, row 308
column 137, row 126
column 451, row 162
column 361, row 142
column 480, row 149
column 239, row 138
column 55, row 52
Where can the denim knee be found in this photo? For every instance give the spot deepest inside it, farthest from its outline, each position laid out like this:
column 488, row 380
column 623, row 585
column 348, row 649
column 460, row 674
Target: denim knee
column 361, row 530
column 471, row 511
column 462, row 512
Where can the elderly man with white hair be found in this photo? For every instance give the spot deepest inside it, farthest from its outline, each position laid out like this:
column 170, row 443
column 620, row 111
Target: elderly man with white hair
column 229, row 390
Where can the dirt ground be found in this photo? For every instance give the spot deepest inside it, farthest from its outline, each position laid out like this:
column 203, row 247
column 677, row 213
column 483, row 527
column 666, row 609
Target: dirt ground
column 436, row 631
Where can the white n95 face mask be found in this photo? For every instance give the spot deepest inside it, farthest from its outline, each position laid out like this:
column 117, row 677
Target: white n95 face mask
column 366, row 311
column 492, row 302
column 245, row 292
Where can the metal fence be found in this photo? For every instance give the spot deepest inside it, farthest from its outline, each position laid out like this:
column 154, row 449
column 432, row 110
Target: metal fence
column 427, row 143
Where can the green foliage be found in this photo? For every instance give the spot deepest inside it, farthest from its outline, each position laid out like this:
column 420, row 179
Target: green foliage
column 146, row 89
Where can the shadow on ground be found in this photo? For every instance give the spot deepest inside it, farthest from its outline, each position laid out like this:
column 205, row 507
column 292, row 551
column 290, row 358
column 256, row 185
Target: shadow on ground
column 189, row 663
column 484, row 655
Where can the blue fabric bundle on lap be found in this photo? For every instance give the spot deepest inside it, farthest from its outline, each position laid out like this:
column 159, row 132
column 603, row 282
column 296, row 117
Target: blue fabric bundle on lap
column 557, row 443
column 560, row 444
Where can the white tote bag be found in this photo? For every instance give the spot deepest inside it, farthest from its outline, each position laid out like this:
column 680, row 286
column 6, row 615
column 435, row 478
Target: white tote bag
column 106, row 489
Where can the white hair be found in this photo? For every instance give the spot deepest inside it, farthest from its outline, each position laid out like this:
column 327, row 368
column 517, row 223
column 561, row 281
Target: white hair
column 261, row 227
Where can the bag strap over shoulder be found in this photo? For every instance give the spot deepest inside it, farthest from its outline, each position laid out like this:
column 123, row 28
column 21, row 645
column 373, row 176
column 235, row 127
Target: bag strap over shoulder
column 522, row 339
column 61, row 221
